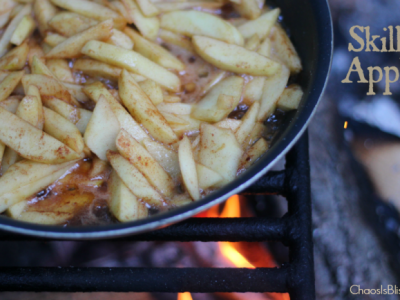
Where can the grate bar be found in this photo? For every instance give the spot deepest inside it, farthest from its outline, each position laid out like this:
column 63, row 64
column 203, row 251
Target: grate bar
column 167, row 280
column 294, row 229
column 302, row 281
column 203, row 230
column 272, row 183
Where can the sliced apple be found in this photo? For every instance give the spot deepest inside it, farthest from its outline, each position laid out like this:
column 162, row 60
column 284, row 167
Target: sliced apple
column 51, row 212
column 15, row 59
column 234, row 58
column 194, row 22
column 250, row 9
column 11, row 104
column 132, row 61
column 259, row 130
column 253, row 42
column 32, row 143
column 188, row 168
column 152, row 90
column 290, row 98
column 102, row 130
column 7, row 34
column 231, row 124
column 134, row 180
column 175, row 108
column 92, row 10
column 120, row 39
column 78, row 116
column 254, row 153
column 184, row 5
column 124, row 205
column 68, row 23
column 96, row 68
column 63, row 130
column 9, row 83
column 167, row 158
column 261, row 26
column 219, row 151
column 53, row 39
column 272, row 90
column 253, row 90
column 207, row 177
column 143, row 110
column 10, row 157
column 96, row 90
column 284, row 49
column 213, row 81
column 145, row 163
column 176, row 39
column 71, row 47
column 44, row 12
column 248, row 122
column 30, row 109
column 24, row 29
column 60, row 68
column 154, row 51
column 49, row 87
column 221, row 100
column 148, row 26
column 148, row 8
column 26, row 178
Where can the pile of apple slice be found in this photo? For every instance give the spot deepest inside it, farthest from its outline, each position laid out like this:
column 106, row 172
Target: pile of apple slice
column 81, row 88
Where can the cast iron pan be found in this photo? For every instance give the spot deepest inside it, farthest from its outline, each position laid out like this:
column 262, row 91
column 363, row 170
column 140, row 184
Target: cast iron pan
column 310, row 27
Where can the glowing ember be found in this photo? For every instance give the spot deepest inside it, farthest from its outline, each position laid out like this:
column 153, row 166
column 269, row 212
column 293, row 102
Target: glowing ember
column 184, row 296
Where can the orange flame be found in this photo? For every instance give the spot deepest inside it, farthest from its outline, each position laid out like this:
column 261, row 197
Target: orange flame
column 184, row 296
column 232, row 210
column 233, row 251
column 234, row 256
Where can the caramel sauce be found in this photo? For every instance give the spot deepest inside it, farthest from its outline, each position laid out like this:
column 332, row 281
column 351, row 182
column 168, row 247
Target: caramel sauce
column 77, row 195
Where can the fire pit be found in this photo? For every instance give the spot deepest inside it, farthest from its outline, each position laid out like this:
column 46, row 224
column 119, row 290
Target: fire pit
column 293, row 230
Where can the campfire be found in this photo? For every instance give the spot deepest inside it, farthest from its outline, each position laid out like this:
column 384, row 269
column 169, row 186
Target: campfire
column 236, row 255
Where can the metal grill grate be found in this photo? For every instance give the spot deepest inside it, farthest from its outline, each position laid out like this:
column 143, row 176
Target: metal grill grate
column 293, row 230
